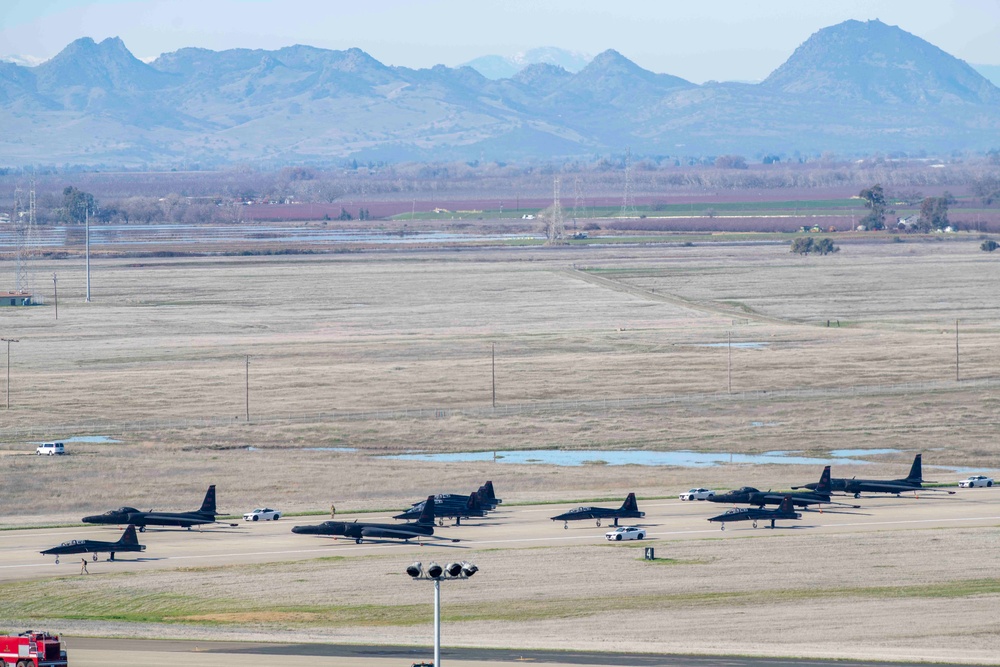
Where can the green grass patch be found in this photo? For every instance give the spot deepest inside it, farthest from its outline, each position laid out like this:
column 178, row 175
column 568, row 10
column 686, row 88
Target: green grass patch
column 80, row 599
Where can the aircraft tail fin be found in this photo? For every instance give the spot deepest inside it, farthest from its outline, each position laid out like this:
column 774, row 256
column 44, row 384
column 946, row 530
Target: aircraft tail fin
column 427, row 514
column 129, row 538
column 786, row 506
column 630, row 505
column 824, row 482
column 916, row 473
column 490, row 494
column 208, row 505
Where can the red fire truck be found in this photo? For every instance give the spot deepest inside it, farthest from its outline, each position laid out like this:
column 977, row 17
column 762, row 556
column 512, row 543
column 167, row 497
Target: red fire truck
column 32, row 649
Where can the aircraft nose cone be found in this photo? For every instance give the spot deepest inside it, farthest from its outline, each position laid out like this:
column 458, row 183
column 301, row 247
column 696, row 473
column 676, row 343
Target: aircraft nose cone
column 89, row 519
column 305, row 530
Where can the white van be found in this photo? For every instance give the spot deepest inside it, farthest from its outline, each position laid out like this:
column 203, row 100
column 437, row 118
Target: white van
column 50, row 448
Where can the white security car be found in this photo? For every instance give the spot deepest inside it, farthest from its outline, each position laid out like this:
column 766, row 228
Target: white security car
column 697, row 494
column 976, row 480
column 262, row 514
column 625, row 533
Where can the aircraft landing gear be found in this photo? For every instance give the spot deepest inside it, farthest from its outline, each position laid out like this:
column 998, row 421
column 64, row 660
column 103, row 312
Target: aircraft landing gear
column 111, row 559
column 357, row 540
column 754, row 524
column 772, row 524
column 57, row 560
column 598, row 523
column 858, row 495
column 94, row 558
column 142, row 529
column 566, row 525
column 722, row 527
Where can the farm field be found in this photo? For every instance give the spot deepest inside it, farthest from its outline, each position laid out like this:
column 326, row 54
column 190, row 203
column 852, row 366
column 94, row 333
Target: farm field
column 356, row 355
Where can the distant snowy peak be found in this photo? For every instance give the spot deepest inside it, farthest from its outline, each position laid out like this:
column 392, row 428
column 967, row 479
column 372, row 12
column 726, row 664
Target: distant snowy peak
column 504, row 67
column 23, row 61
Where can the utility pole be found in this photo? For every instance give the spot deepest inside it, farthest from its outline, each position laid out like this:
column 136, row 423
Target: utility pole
column 55, row 294
column 8, row 341
column 730, row 362
column 248, row 388
column 493, row 358
column 88, row 254
column 956, row 352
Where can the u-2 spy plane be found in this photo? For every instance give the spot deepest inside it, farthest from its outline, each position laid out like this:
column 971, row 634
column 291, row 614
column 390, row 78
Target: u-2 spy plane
column 628, row 510
column 747, row 495
column 359, row 530
column 784, row 511
column 128, row 542
column 912, row 482
column 130, row 515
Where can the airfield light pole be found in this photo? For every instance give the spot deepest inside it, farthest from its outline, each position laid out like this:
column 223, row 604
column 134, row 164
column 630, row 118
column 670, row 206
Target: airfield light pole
column 8, row 341
column 437, row 574
column 493, row 359
column 55, row 294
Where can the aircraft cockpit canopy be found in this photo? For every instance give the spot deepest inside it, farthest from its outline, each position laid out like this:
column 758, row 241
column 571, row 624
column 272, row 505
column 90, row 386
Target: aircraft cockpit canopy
column 123, row 510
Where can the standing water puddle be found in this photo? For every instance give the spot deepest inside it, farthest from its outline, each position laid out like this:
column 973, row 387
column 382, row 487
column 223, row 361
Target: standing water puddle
column 682, row 459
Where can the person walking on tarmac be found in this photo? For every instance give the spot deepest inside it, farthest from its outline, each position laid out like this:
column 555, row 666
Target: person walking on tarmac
column 83, row 566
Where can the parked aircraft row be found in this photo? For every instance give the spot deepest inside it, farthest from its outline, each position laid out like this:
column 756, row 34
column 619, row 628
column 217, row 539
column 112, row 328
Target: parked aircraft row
column 421, row 517
column 815, row 493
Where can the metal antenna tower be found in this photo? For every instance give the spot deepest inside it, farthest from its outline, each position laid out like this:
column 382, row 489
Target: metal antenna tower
column 628, row 202
column 555, row 229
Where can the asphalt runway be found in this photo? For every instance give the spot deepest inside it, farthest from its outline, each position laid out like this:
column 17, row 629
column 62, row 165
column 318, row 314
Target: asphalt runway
column 273, row 541
column 89, row 652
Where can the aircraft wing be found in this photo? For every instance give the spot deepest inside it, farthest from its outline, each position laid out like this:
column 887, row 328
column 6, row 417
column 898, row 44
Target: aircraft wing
column 889, row 487
column 399, row 534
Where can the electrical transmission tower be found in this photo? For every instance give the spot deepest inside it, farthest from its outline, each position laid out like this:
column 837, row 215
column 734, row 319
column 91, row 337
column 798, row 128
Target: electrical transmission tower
column 628, row 201
column 578, row 210
column 555, row 229
column 24, row 235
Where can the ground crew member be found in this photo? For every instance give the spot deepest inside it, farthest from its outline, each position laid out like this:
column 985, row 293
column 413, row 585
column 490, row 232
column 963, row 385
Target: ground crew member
column 83, row 566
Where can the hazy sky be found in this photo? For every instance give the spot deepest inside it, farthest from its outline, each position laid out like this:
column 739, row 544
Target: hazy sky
column 711, row 39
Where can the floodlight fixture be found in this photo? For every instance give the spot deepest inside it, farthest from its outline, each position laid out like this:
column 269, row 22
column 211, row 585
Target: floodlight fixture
column 453, row 569
column 434, row 571
column 415, row 570
column 468, row 569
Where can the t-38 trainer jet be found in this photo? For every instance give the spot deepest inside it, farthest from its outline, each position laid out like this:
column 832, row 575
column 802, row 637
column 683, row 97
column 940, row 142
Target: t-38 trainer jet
column 360, row 530
column 128, row 542
column 628, row 510
column 912, row 482
column 784, row 511
column 130, row 515
column 747, row 495
column 453, row 507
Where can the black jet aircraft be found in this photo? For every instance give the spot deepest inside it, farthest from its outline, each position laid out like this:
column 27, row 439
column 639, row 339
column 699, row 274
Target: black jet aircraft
column 130, row 515
column 487, row 498
column 628, row 510
column 785, row 511
column 453, row 507
column 359, row 530
column 128, row 542
column 912, row 482
column 748, row 495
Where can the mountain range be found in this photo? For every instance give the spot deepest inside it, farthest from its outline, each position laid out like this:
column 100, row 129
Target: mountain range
column 855, row 88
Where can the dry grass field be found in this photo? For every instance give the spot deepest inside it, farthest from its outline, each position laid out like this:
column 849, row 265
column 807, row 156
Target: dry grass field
column 158, row 361
column 388, row 352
